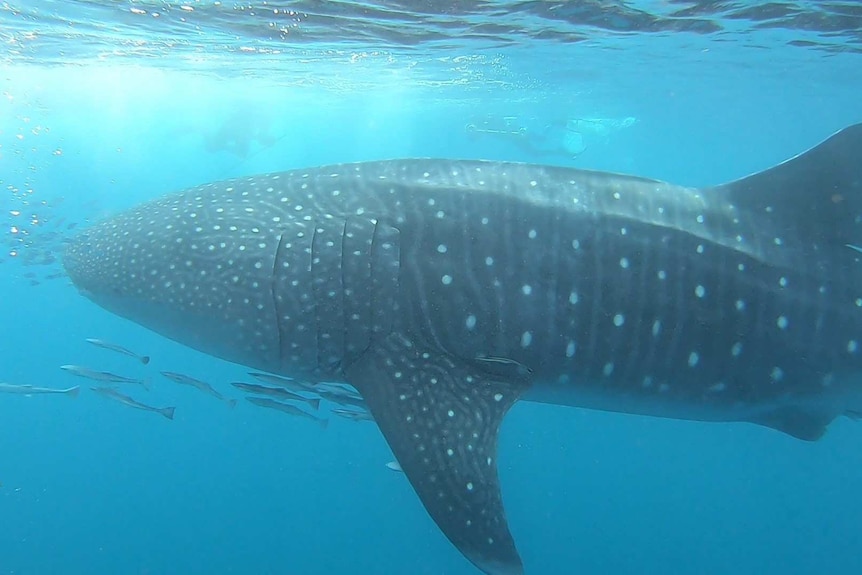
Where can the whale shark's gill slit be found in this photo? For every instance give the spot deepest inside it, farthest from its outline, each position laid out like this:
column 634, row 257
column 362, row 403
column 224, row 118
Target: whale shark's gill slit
column 676, row 316
column 345, row 331
column 632, row 338
column 356, row 268
column 277, row 301
column 315, row 287
column 327, row 260
column 385, row 271
column 553, row 330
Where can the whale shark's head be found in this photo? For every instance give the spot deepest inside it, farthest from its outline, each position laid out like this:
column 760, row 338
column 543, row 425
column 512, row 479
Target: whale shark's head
column 259, row 271
column 154, row 265
column 198, row 267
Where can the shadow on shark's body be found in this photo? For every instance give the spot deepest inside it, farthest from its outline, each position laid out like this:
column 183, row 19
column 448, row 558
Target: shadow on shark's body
column 446, row 290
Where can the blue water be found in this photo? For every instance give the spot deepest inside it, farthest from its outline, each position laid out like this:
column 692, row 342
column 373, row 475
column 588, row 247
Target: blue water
column 102, row 107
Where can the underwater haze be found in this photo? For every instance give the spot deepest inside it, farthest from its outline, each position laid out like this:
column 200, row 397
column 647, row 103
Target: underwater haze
column 106, row 104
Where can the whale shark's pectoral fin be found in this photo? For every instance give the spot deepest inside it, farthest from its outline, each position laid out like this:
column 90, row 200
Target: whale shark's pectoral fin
column 441, row 416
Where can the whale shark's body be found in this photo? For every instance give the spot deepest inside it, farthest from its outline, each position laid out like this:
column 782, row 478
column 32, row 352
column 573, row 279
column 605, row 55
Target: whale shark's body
column 446, row 290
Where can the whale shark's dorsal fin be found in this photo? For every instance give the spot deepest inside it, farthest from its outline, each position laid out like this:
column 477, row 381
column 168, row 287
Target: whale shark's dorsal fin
column 814, row 198
column 441, row 416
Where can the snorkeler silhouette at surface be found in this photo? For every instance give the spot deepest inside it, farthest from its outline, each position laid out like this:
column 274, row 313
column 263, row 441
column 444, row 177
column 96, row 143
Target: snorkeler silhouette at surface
column 562, row 138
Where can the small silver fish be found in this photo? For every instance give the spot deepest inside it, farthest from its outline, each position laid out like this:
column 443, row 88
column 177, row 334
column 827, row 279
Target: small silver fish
column 285, row 382
column 505, row 365
column 167, row 412
column 203, row 386
column 343, row 399
column 102, row 376
column 145, row 359
column 287, row 408
column 394, row 466
column 352, row 414
column 337, row 389
column 32, row 390
column 277, row 393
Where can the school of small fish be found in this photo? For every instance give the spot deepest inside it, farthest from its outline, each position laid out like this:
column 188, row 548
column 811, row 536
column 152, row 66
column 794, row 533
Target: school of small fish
column 34, row 234
column 274, row 392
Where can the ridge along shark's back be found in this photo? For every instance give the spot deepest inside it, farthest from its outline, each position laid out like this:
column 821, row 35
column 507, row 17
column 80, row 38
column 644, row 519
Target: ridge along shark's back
column 446, row 290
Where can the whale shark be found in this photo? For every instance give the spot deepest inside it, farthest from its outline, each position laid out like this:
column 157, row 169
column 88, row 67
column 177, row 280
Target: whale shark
column 446, row 290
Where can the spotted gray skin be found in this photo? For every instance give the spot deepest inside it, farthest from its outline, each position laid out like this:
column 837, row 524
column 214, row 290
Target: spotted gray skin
column 446, row 290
